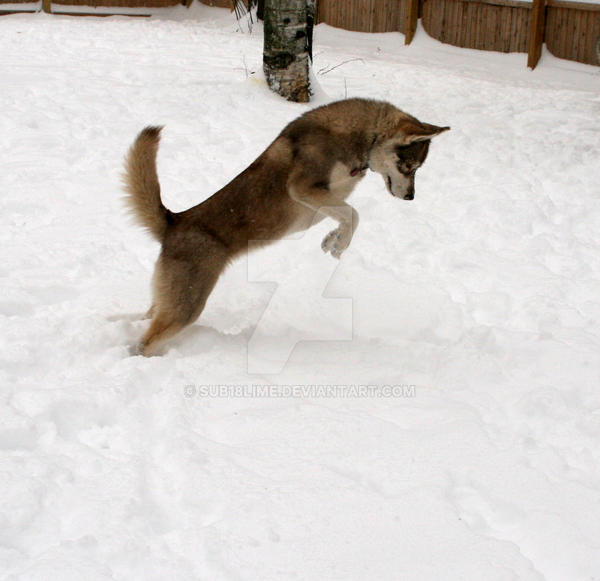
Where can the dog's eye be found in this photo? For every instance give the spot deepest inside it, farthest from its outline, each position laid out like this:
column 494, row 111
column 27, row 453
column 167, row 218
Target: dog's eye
column 407, row 168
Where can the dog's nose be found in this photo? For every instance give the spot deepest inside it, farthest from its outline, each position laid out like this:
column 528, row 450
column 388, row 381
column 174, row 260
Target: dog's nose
column 410, row 196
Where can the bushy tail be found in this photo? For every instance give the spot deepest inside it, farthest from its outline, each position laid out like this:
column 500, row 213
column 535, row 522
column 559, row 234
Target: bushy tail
column 141, row 184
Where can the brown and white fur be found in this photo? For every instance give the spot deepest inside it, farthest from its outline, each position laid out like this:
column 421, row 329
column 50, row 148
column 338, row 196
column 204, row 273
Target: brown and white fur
column 305, row 175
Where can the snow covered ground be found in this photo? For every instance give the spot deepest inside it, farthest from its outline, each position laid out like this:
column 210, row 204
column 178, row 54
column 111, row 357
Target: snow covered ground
column 479, row 301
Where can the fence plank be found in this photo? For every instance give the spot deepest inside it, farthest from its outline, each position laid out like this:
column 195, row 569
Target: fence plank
column 536, row 32
column 505, row 31
column 412, row 16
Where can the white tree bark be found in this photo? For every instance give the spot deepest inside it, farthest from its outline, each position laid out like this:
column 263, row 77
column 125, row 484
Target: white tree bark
column 286, row 57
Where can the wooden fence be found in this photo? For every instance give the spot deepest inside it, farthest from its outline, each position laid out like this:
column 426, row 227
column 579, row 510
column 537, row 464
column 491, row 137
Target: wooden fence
column 571, row 30
column 78, row 7
column 118, row 3
column 478, row 25
column 363, row 15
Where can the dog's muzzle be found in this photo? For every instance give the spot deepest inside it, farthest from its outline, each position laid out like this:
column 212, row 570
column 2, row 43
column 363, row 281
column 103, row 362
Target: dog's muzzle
column 409, row 193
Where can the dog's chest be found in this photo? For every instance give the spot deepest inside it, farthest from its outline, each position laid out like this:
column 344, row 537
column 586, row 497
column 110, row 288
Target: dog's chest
column 343, row 179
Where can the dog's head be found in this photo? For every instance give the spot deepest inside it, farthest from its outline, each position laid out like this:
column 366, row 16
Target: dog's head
column 398, row 158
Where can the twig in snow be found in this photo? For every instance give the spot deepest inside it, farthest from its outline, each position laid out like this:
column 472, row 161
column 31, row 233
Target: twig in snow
column 326, row 70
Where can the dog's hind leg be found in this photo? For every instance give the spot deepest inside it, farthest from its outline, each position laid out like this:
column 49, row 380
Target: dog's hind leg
column 178, row 303
column 182, row 283
column 162, row 327
column 150, row 312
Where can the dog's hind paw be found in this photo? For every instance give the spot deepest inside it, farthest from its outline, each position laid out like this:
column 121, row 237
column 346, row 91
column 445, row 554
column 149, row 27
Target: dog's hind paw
column 140, row 349
column 135, row 350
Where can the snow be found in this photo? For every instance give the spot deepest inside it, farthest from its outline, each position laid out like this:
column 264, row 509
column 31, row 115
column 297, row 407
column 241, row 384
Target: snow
column 479, row 302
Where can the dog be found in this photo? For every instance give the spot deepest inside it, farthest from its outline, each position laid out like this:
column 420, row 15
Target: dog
column 304, row 176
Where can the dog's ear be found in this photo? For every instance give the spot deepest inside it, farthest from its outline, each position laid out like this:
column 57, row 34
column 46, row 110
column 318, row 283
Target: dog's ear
column 417, row 131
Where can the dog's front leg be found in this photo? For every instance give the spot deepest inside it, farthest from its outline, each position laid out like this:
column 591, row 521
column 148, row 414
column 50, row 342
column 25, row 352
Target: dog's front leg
column 339, row 239
column 322, row 201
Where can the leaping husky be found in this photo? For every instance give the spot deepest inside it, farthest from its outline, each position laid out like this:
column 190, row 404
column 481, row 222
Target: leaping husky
column 305, row 175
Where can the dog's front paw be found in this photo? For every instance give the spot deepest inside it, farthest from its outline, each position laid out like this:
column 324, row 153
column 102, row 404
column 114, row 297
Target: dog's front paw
column 336, row 242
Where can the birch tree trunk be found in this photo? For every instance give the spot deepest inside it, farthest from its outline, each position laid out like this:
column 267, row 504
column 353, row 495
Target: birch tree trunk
column 287, row 47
